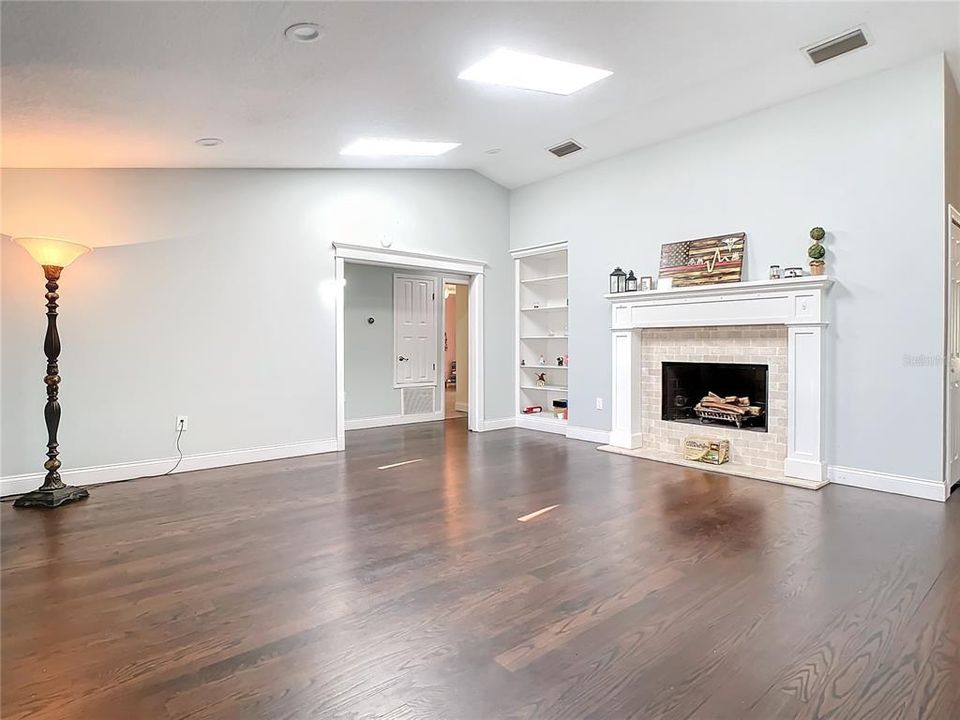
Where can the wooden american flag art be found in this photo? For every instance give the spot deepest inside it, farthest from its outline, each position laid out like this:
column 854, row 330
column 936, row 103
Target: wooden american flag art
column 705, row 261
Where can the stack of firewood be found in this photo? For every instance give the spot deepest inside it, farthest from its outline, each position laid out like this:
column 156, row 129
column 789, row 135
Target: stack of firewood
column 728, row 403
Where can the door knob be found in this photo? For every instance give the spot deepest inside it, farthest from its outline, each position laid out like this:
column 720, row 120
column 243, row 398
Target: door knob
column 402, row 358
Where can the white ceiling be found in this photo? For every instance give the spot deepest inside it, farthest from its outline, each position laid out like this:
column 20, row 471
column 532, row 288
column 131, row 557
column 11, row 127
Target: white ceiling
column 117, row 84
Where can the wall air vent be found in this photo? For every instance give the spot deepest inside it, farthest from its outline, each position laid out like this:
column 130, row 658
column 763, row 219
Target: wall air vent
column 568, row 147
column 836, row 46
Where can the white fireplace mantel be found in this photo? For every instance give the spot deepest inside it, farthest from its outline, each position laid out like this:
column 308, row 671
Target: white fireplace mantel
column 798, row 303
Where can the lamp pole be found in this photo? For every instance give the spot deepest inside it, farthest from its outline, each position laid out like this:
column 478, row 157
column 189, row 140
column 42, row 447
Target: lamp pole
column 53, row 492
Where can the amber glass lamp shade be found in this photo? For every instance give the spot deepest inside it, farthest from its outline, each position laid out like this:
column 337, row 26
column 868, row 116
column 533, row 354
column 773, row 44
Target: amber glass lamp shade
column 52, row 252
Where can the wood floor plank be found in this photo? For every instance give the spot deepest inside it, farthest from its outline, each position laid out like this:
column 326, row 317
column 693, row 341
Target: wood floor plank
column 322, row 587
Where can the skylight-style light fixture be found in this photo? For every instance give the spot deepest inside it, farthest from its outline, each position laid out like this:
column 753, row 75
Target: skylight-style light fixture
column 533, row 72
column 382, row 147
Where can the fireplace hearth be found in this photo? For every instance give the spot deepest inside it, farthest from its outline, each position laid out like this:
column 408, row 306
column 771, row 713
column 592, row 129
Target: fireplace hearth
column 686, row 387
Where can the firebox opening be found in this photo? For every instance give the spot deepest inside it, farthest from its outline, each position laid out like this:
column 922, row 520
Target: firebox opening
column 740, row 390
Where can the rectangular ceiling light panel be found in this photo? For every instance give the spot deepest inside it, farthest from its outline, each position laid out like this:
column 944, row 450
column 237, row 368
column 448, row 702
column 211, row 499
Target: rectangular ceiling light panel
column 383, row 147
column 533, row 72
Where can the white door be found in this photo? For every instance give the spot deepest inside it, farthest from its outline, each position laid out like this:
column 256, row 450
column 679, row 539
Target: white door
column 953, row 353
column 415, row 330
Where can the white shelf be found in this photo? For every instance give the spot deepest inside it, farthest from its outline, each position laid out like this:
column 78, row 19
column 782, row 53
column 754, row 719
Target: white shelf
column 543, row 337
column 538, row 309
column 545, row 367
column 545, row 278
column 547, row 388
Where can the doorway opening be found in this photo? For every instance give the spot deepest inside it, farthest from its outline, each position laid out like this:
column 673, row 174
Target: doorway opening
column 456, row 359
column 392, row 339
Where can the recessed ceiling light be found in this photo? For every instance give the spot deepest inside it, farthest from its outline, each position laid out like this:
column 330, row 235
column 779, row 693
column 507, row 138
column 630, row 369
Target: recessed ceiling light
column 209, row 141
column 304, row 32
column 386, row 146
column 533, row 72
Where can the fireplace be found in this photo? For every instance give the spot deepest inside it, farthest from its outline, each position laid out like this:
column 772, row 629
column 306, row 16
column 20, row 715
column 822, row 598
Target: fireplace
column 685, row 384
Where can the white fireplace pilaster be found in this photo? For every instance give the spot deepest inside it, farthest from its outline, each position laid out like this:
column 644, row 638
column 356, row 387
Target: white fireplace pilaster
column 805, row 432
column 625, row 401
column 798, row 303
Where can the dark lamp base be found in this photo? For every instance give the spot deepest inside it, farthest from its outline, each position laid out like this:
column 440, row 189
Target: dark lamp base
column 51, row 498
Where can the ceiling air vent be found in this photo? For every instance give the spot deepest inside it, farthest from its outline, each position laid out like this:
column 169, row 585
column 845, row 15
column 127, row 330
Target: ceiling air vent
column 567, row 147
column 837, row 46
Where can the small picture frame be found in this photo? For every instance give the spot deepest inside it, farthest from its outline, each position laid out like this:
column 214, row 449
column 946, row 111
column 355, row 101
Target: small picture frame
column 646, row 282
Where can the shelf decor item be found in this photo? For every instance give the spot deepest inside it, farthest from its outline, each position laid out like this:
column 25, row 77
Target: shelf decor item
column 646, row 283
column 793, row 272
column 775, row 273
column 631, row 285
column 618, row 281
column 705, row 261
column 53, row 255
column 541, row 379
column 816, row 251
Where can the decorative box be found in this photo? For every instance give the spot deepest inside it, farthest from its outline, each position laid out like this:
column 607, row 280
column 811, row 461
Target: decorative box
column 708, row 450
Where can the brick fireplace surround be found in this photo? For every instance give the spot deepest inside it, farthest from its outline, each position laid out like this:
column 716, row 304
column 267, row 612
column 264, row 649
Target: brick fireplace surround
column 776, row 323
column 759, row 344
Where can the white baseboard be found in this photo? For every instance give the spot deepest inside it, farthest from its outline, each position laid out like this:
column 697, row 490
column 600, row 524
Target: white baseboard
column 601, row 437
column 885, row 482
column 18, row 484
column 387, row 420
column 542, row 422
column 498, row 424
column 462, row 407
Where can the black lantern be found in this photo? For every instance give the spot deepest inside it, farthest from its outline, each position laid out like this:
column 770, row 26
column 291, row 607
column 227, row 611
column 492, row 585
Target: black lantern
column 631, row 282
column 618, row 281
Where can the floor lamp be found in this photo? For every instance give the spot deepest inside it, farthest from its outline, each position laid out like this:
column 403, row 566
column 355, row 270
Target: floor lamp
column 54, row 255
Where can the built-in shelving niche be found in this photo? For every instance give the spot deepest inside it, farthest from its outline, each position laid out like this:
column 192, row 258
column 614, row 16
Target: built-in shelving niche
column 542, row 332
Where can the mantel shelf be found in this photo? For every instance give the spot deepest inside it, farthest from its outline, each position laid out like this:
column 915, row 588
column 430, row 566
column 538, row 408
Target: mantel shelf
column 751, row 287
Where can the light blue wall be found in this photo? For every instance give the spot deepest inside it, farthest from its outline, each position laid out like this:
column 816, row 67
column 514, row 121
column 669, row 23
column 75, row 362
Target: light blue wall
column 865, row 161
column 216, row 300
column 368, row 349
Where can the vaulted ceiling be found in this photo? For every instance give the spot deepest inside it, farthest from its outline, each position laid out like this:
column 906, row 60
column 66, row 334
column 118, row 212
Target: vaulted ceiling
column 116, row 84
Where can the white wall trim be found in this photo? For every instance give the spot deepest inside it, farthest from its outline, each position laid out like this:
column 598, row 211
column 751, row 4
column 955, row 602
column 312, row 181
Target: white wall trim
column 96, row 475
column 387, row 420
column 405, row 258
column 538, row 249
column 339, row 274
column 601, row 437
column 498, row 424
column 475, row 371
column 887, row 482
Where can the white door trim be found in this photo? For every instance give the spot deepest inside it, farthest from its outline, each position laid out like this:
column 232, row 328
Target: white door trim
column 953, row 218
column 462, row 281
column 473, row 269
column 403, row 258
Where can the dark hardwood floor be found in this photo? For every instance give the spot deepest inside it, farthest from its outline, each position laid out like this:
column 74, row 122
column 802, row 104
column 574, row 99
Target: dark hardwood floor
column 322, row 587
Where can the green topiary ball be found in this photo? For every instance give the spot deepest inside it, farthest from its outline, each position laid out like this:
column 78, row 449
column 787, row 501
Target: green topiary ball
column 816, row 251
column 817, row 234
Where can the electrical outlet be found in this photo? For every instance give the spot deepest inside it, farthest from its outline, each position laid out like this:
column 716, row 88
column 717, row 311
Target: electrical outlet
column 599, row 403
column 182, row 422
